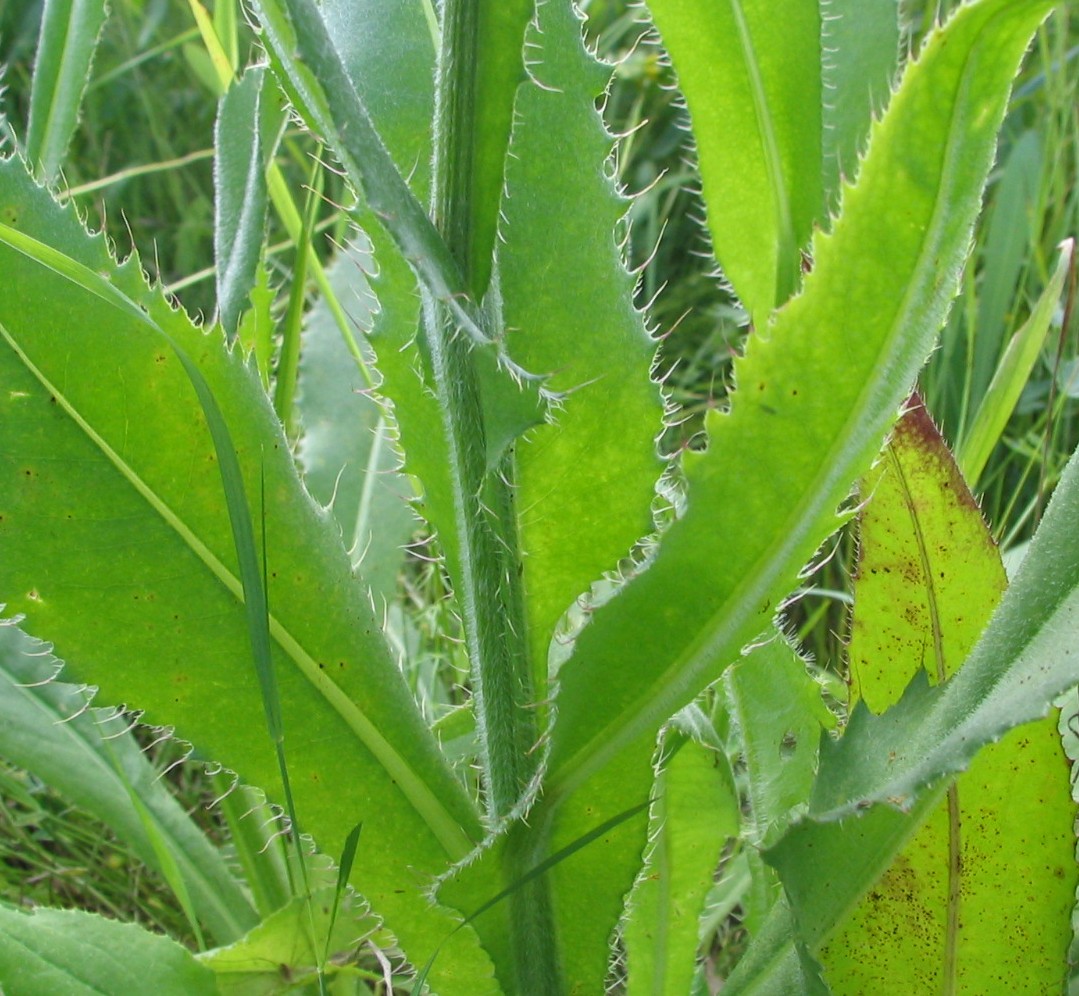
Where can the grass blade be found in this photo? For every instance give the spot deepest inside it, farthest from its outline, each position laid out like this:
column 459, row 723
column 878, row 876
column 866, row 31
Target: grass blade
column 65, row 53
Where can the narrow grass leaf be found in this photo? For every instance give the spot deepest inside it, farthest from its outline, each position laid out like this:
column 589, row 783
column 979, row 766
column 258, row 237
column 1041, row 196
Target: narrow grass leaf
column 240, row 196
column 1012, row 373
column 749, row 73
column 1007, row 248
column 92, row 449
column 65, row 54
column 71, row 952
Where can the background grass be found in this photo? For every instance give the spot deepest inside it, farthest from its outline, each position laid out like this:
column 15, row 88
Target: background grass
column 141, row 166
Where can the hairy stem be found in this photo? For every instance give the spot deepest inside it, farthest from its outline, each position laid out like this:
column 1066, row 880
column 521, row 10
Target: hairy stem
column 487, row 535
column 489, row 583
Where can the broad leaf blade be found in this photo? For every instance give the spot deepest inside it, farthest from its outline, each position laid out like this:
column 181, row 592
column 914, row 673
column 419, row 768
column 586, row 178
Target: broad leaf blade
column 75, row 953
column 1027, row 656
column 65, row 52
column 240, row 196
column 311, row 72
column 388, row 50
column 585, row 483
column 802, row 425
column 929, row 578
column 46, row 728
column 780, row 714
column 111, row 438
column 752, row 81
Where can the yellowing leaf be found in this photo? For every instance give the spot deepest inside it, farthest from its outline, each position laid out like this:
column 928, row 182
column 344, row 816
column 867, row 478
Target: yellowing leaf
column 949, row 915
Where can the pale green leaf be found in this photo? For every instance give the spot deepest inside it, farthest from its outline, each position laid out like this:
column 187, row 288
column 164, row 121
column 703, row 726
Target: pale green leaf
column 780, row 716
column 585, row 483
column 290, row 944
column 239, row 196
column 1027, row 656
column 929, row 577
column 388, row 50
column 751, row 76
column 86, row 756
column 71, row 953
column 313, row 75
column 694, row 814
column 65, row 53
column 86, row 433
column 347, row 448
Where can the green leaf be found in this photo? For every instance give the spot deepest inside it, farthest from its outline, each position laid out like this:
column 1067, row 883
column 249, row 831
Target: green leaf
column 585, row 483
column 801, row 426
column 694, row 814
column 85, row 433
column 88, row 756
column 1012, row 373
column 752, row 80
column 859, row 62
column 348, row 449
column 929, row 577
column 240, row 196
column 389, row 54
column 780, row 715
column 1007, row 242
column 289, row 946
column 70, row 953
column 65, row 53
column 1024, row 659
column 311, row 72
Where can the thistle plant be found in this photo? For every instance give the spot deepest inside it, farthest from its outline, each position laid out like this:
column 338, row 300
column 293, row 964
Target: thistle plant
column 206, row 522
